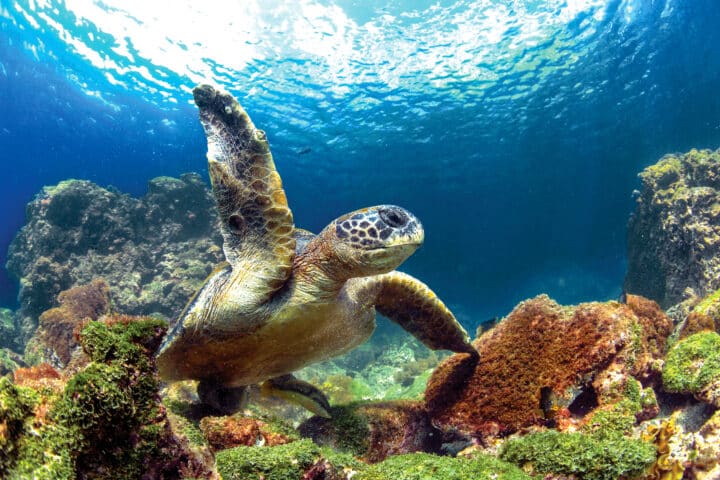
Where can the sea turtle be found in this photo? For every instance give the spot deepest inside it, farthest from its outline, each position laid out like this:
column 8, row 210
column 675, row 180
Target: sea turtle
column 286, row 298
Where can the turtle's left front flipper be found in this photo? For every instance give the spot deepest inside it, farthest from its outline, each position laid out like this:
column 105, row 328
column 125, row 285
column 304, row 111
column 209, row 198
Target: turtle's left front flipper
column 411, row 304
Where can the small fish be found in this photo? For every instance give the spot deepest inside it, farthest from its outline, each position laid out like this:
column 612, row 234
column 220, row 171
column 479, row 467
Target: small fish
column 304, row 151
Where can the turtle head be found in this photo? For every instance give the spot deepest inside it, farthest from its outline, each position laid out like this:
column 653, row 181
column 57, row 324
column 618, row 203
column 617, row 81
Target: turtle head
column 375, row 240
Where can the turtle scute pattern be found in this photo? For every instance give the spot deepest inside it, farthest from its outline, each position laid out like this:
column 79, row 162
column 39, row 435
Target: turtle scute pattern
column 256, row 222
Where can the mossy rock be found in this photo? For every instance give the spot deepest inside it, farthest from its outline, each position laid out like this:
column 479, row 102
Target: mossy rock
column 7, row 328
column 424, row 466
column 692, row 364
column 710, row 305
column 16, row 404
column 587, row 456
column 282, row 462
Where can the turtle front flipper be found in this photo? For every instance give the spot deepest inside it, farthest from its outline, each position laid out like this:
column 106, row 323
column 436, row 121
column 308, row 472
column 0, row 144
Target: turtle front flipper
column 412, row 305
column 257, row 225
column 297, row 391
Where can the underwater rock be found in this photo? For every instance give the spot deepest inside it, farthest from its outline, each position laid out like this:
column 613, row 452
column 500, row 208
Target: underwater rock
column 692, row 367
column 228, row 432
column 153, row 252
column 581, row 455
column 37, row 377
column 432, row 467
column 105, row 422
column 375, row 431
column 8, row 334
column 674, row 233
column 54, row 341
column 10, row 361
column 703, row 316
column 545, row 361
column 300, row 460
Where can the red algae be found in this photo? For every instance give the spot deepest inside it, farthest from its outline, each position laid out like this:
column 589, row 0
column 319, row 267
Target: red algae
column 543, row 350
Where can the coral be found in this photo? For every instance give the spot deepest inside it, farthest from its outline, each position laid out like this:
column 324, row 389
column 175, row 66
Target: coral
column 544, row 358
column 301, row 460
column 423, row 466
column 674, row 233
column 54, row 340
column 693, row 366
column 153, row 252
column 228, row 432
column 374, row 431
column 584, row 455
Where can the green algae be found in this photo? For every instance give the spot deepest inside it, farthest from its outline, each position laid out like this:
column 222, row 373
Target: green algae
column 350, row 428
column 16, row 404
column 112, row 406
column 588, row 456
column 692, row 363
column 710, row 305
column 281, row 462
column 105, row 422
column 7, row 328
column 425, row 466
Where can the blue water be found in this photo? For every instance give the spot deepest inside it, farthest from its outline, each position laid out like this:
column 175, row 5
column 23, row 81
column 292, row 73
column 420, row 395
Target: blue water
column 513, row 130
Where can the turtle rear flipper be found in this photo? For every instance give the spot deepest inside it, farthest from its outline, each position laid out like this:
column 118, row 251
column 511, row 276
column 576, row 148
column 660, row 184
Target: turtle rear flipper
column 226, row 400
column 297, row 391
column 412, row 305
column 256, row 222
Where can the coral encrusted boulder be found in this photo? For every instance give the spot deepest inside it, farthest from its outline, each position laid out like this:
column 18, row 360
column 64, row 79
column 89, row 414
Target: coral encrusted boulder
column 544, row 360
column 153, row 252
column 674, row 233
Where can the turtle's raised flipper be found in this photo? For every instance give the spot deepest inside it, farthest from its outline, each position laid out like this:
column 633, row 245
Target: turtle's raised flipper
column 226, row 400
column 257, row 224
column 412, row 305
column 297, row 391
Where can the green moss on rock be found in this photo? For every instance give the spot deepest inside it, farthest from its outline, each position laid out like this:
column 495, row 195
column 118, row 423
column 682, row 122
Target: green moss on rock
column 692, row 363
column 16, row 404
column 424, row 466
column 282, row 462
column 7, row 328
column 587, row 456
column 710, row 305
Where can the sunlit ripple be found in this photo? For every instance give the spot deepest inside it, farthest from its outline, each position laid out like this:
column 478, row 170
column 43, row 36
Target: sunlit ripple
column 316, row 49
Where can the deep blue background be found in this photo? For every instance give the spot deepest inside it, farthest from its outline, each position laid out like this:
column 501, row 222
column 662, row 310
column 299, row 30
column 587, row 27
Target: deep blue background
column 519, row 194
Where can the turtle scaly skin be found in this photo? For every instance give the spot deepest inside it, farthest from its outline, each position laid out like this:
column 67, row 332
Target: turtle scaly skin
column 286, row 298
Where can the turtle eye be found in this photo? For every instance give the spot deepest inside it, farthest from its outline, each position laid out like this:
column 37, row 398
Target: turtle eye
column 235, row 222
column 393, row 217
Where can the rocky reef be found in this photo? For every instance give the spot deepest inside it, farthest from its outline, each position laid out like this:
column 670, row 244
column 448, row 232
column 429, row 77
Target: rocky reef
column 545, row 361
column 596, row 391
column 105, row 421
column 674, row 233
column 153, row 252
